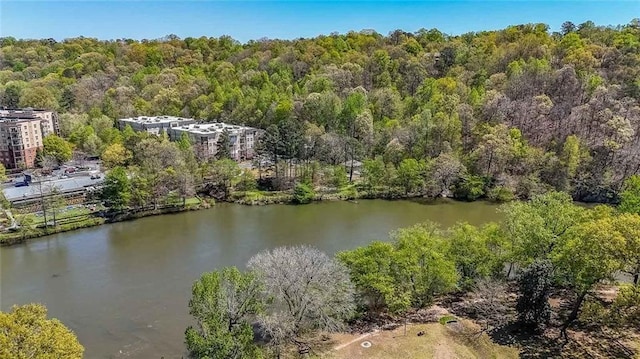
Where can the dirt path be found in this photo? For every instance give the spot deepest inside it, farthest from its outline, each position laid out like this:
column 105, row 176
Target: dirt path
column 341, row 346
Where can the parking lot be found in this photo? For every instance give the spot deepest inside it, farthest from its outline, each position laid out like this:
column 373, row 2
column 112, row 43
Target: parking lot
column 70, row 184
column 65, row 179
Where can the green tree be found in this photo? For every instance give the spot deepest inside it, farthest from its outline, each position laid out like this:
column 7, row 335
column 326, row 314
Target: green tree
column 303, row 193
column 222, row 303
column 158, row 160
column 373, row 171
column 247, row 181
column 270, row 145
column 630, row 195
column 470, row 187
column 501, row 194
column 38, row 161
column 54, row 203
column 374, row 272
column 589, row 254
column 571, row 155
column 338, row 176
column 478, row 252
column 11, row 96
column 38, row 97
column 425, row 263
column 184, row 183
column 57, row 147
column 25, row 332
column 3, row 173
column 225, row 173
column 141, row 190
column 534, row 288
column 629, row 226
column 223, row 146
column 26, row 225
column 117, row 188
column 115, row 155
column 536, row 227
column 410, row 175
column 625, row 309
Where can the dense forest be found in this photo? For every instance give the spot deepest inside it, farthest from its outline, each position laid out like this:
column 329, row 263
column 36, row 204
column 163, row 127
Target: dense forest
column 505, row 114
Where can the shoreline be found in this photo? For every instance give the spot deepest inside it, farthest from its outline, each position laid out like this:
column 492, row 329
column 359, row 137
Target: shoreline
column 15, row 238
column 246, row 198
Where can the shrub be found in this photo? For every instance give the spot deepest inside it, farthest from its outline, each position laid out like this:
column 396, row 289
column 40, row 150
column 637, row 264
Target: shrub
column 470, row 188
column 534, row 286
column 303, row 193
column 501, row 194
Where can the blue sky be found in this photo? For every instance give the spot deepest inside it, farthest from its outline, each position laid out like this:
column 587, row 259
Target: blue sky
column 246, row 20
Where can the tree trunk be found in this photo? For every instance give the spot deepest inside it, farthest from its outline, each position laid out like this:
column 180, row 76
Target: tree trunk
column 573, row 315
column 44, row 213
column 489, row 164
column 351, row 171
column 405, row 324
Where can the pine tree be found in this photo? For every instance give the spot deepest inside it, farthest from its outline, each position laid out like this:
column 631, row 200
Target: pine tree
column 224, row 146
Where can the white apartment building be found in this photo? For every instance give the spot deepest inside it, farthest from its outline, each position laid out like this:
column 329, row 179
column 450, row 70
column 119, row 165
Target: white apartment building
column 205, row 138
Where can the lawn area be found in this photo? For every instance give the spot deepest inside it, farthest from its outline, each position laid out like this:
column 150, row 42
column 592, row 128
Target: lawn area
column 260, row 197
column 193, row 201
column 460, row 341
column 73, row 211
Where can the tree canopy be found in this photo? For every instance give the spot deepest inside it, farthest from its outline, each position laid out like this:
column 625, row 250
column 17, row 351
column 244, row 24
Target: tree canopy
column 506, row 113
column 25, row 332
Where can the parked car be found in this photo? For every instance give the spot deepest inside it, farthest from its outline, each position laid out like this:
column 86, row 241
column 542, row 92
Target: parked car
column 21, row 184
column 95, row 176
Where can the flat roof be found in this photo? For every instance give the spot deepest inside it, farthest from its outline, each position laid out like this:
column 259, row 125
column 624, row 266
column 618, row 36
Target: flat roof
column 13, row 193
column 4, row 111
column 19, row 118
column 156, row 119
column 211, row 128
column 19, row 115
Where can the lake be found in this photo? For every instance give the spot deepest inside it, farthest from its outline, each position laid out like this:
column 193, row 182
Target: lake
column 124, row 287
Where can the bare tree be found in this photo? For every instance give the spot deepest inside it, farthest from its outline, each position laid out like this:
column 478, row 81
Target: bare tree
column 307, row 291
column 488, row 303
column 447, row 169
column 277, row 328
column 48, row 164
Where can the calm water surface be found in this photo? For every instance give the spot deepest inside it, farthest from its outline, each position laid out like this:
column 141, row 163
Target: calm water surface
column 124, row 287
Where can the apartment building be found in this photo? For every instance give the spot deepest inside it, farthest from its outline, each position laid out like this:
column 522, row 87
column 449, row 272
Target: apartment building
column 153, row 124
column 205, row 138
column 21, row 135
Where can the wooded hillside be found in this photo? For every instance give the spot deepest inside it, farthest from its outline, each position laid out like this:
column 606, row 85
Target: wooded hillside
column 513, row 112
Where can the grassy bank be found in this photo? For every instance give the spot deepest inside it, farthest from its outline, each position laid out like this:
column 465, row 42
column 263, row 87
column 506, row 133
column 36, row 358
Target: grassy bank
column 83, row 218
column 11, row 238
column 346, row 193
column 79, row 217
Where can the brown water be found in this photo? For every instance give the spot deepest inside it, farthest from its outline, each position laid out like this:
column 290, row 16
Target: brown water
column 124, row 287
